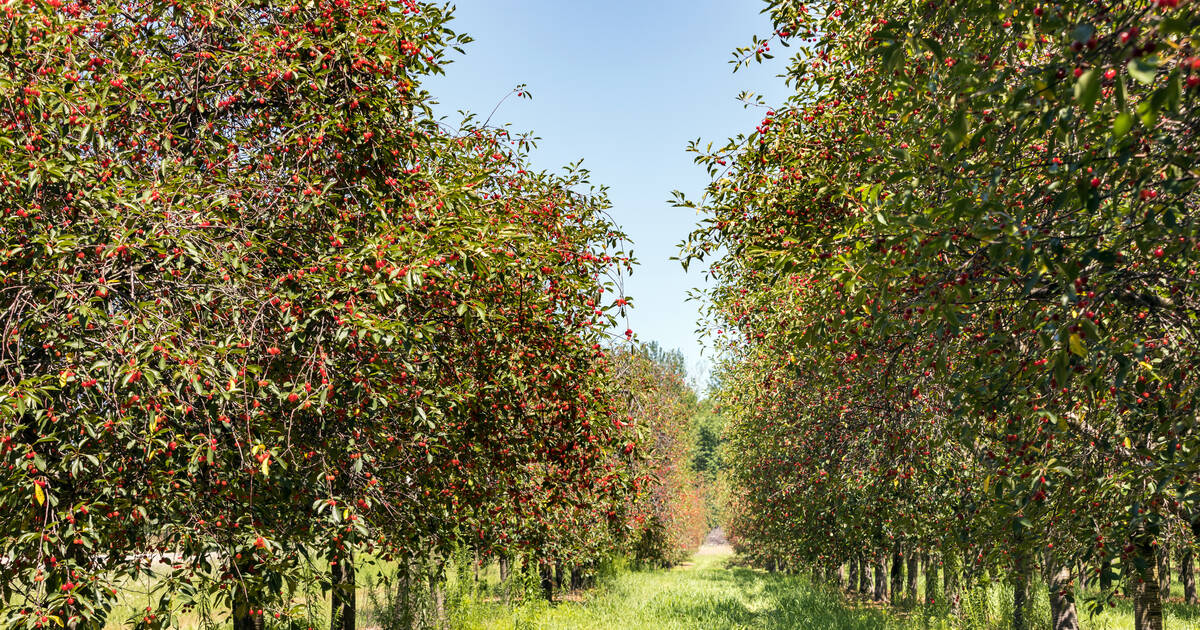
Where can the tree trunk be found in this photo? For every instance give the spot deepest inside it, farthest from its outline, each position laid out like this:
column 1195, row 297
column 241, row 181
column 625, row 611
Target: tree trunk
column 436, row 592
column 1021, row 575
column 576, row 577
column 950, row 566
column 853, row 572
column 547, row 575
column 505, row 568
column 475, row 567
column 1106, row 575
column 932, row 567
column 864, row 575
column 1187, row 575
column 404, row 594
column 245, row 613
column 914, row 570
column 880, row 578
column 1164, row 571
column 343, row 604
column 897, row 573
column 1062, row 601
column 560, row 575
column 1147, row 601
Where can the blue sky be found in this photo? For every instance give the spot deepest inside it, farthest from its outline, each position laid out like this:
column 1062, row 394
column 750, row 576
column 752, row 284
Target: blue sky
column 623, row 85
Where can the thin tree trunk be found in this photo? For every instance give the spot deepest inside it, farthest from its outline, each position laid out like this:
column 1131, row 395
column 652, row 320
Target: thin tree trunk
column 1164, row 571
column 1187, row 575
column 897, row 574
column 404, row 593
column 853, row 572
column 1106, row 575
column 244, row 612
column 547, row 575
column 343, row 608
column 560, row 575
column 1021, row 575
column 950, row 566
column 932, row 567
column 504, row 569
column 1147, row 601
column 864, row 575
column 576, row 577
column 475, row 568
column 914, row 569
column 880, row 578
column 1062, row 601
column 436, row 592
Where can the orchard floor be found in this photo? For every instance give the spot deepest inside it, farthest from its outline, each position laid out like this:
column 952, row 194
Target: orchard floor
column 711, row 593
column 707, row 593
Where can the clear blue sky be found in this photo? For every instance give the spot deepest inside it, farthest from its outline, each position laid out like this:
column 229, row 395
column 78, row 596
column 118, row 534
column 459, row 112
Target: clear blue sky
column 623, row 85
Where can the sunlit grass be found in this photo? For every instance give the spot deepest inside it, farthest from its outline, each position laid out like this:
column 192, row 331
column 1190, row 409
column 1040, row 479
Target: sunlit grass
column 710, row 593
column 713, row 594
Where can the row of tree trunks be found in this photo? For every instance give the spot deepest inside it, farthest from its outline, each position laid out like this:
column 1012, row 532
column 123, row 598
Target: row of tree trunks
column 941, row 584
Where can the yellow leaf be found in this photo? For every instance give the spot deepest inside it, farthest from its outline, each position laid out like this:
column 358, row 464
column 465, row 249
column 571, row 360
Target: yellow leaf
column 37, row 492
column 1076, row 343
column 1127, row 443
column 266, row 468
column 987, row 483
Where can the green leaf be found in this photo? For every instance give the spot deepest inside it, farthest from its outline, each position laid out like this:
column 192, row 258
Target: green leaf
column 957, row 131
column 1087, row 89
column 1143, row 69
column 1122, row 124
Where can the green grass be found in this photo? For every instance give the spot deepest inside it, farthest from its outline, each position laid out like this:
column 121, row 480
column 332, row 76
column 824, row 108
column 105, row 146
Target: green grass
column 713, row 594
column 708, row 595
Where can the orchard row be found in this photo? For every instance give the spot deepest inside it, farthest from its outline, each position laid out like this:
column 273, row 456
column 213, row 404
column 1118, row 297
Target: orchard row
column 263, row 315
column 956, row 279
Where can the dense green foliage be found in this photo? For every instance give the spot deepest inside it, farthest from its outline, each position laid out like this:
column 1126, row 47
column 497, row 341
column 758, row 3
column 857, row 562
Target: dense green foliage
column 670, row 513
column 262, row 312
column 957, row 275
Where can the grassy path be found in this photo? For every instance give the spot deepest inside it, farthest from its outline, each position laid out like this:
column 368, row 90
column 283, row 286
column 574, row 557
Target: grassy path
column 703, row 595
column 711, row 594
